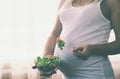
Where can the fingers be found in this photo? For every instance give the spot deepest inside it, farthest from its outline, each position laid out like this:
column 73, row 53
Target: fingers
column 80, row 53
column 47, row 75
column 35, row 66
column 75, row 49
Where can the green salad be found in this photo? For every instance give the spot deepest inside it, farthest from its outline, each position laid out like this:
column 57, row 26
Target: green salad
column 47, row 64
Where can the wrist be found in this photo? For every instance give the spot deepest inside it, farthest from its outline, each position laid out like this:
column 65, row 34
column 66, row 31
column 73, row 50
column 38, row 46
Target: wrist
column 48, row 53
column 92, row 49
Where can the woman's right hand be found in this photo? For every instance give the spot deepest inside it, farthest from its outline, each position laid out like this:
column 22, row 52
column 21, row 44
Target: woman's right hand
column 43, row 74
column 47, row 75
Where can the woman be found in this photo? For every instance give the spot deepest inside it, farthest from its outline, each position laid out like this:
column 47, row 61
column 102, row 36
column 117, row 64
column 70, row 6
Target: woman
column 85, row 26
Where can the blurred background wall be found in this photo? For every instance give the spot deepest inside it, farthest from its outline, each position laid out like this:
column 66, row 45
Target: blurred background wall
column 24, row 28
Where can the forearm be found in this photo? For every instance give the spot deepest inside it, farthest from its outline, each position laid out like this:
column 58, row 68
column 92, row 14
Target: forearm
column 50, row 45
column 106, row 49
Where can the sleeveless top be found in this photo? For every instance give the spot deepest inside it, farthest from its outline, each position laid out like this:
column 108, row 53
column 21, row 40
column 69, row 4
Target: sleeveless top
column 84, row 25
column 81, row 26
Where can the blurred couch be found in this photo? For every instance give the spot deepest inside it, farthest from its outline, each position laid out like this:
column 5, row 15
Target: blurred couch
column 115, row 61
column 24, row 70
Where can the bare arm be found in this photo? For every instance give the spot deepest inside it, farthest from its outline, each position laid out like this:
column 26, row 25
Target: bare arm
column 51, row 42
column 111, row 48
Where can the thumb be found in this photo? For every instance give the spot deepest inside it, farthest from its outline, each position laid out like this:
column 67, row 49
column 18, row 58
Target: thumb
column 75, row 49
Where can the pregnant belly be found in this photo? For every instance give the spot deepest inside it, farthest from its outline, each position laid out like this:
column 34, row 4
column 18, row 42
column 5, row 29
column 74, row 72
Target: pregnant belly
column 70, row 65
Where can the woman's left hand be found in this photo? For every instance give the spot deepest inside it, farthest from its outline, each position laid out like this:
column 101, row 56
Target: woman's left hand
column 82, row 52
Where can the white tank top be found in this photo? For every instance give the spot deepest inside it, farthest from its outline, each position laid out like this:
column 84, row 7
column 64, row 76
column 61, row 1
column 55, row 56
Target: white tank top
column 84, row 25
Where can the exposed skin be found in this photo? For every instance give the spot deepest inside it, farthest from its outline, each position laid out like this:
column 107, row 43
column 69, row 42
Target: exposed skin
column 54, row 34
column 51, row 42
column 111, row 12
column 110, row 9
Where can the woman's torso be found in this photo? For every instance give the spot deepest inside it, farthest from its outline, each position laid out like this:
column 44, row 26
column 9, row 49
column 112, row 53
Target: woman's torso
column 85, row 24
column 81, row 26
